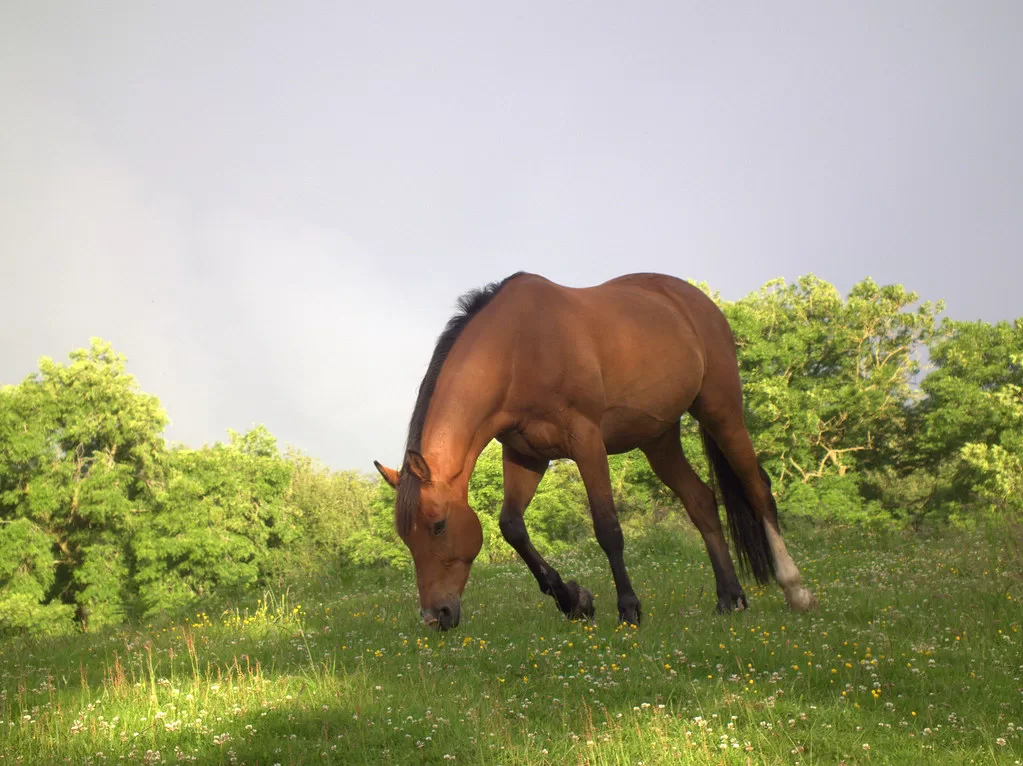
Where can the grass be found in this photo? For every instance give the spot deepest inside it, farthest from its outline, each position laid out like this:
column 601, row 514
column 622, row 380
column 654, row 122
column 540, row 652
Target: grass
column 914, row 657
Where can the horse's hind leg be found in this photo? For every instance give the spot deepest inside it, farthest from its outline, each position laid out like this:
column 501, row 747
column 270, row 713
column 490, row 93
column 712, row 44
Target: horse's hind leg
column 522, row 475
column 719, row 411
column 670, row 464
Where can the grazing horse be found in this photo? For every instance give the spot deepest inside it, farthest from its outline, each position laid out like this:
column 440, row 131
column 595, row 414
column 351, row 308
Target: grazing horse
column 580, row 373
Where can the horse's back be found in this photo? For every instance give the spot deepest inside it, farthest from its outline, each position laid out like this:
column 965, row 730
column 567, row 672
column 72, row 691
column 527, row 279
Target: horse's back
column 630, row 353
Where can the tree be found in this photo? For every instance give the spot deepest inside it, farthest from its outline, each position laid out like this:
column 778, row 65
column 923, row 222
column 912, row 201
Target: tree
column 827, row 382
column 79, row 447
column 27, row 575
column 970, row 432
column 332, row 507
column 216, row 522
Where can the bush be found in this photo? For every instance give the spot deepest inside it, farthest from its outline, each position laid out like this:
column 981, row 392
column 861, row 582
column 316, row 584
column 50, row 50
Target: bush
column 556, row 518
column 833, row 497
column 332, row 507
column 216, row 523
column 376, row 542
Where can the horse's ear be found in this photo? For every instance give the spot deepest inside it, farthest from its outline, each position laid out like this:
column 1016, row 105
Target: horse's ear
column 390, row 475
column 417, row 464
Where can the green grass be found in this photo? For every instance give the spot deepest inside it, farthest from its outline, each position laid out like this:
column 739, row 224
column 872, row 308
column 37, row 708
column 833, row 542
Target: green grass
column 914, row 657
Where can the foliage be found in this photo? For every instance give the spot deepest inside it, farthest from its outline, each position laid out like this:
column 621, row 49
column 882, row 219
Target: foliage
column 998, row 467
column 832, row 498
column 968, row 434
column 969, row 395
column 27, row 574
column 80, row 447
column 376, row 541
column 827, row 382
column 556, row 517
column 216, row 523
column 332, row 507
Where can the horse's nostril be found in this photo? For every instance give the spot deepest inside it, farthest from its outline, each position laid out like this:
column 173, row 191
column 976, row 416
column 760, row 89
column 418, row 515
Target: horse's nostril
column 444, row 617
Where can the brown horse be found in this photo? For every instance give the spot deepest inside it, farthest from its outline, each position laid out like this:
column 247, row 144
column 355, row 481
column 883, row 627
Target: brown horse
column 556, row 372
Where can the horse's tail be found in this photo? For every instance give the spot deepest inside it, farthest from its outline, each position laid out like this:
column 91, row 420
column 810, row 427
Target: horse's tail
column 745, row 525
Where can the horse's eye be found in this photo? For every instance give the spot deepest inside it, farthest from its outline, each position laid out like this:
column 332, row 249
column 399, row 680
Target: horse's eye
column 439, row 527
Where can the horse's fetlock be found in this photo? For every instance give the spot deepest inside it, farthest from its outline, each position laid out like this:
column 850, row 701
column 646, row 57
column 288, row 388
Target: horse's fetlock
column 551, row 585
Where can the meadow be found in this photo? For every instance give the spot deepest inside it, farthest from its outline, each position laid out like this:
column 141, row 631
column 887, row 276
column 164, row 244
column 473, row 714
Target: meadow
column 913, row 657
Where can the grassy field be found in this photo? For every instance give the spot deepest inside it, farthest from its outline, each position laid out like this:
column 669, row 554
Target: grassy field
column 914, row 657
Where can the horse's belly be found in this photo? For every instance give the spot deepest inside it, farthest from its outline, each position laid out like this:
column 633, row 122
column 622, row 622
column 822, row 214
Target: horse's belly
column 626, row 428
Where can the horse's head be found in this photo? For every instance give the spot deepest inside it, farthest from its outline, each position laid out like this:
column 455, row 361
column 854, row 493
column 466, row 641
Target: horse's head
column 442, row 533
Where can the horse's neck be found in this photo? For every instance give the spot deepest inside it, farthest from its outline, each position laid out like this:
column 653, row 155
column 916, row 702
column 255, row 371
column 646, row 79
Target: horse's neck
column 453, row 439
column 465, row 413
column 451, row 451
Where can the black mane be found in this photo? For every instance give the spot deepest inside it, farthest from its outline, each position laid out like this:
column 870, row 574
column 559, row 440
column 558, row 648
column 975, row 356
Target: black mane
column 469, row 305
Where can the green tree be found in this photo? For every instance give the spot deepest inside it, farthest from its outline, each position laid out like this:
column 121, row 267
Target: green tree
column 216, row 524
column 973, row 361
column 376, row 542
column 638, row 493
column 997, row 467
column 27, row 574
column 80, row 445
column 828, row 382
column 970, row 425
column 332, row 507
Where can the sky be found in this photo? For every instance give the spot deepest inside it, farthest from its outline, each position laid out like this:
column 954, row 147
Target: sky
column 271, row 208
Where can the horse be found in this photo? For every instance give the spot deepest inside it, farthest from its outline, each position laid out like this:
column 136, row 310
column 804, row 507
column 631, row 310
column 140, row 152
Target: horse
column 555, row 372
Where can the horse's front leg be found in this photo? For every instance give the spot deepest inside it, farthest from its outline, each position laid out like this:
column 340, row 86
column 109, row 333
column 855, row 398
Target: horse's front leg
column 590, row 456
column 522, row 475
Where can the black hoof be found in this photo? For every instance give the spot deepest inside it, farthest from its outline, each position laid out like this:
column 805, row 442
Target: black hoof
column 732, row 603
column 579, row 603
column 628, row 611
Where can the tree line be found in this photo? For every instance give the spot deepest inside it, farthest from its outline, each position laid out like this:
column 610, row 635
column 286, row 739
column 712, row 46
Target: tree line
column 101, row 520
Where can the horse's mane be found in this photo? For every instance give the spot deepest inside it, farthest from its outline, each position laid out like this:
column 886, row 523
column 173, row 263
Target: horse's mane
column 469, row 305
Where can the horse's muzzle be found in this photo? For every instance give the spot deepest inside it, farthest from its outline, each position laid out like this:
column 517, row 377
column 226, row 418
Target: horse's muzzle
column 443, row 617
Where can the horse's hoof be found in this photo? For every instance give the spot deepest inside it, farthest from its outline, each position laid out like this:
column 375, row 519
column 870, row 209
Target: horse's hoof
column 582, row 609
column 801, row 600
column 628, row 613
column 737, row 603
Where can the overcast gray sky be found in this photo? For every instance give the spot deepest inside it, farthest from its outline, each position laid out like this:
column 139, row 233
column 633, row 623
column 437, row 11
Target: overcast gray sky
column 271, row 208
